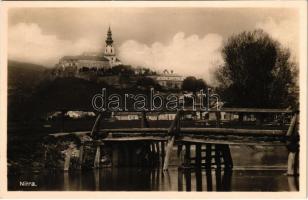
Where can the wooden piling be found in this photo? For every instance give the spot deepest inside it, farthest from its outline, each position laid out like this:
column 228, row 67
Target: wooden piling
column 81, row 152
column 168, row 152
column 292, row 168
column 115, row 155
column 198, row 179
column 67, row 159
column 209, row 182
column 144, row 121
column 208, row 156
column 187, row 173
column 97, row 156
column 218, row 156
column 226, row 154
column 293, row 158
column 187, row 156
column 62, row 120
column 157, row 156
column 162, row 153
column 96, row 179
column 172, row 131
column 227, row 179
column 198, row 156
column 180, row 180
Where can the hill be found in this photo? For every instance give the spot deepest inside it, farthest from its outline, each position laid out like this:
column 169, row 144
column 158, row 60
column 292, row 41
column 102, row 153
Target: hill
column 24, row 75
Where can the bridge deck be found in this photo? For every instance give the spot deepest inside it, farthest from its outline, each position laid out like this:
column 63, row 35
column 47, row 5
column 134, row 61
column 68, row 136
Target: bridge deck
column 195, row 135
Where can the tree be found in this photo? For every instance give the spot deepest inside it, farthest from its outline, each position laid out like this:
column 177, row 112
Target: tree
column 147, row 82
column 257, row 72
column 192, row 84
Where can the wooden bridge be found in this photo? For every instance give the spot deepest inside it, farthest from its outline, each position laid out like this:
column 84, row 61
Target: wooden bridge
column 211, row 144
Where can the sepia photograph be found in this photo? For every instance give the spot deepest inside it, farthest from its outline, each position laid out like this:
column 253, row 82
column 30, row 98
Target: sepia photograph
column 159, row 97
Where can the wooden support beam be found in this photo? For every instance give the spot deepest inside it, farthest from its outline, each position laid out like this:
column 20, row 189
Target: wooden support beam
column 179, row 150
column 180, row 180
column 218, row 179
column 187, row 155
column 97, row 156
column 198, row 156
column 67, row 159
column 227, row 179
column 62, row 120
column 81, row 152
column 218, row 156
column 199, row 180
column 187, row 174
column 96, row 124
column 293, row 158
column 209, row 182
column 208, row 156
column 226, row 154
column 157, row 156
column 292, row 126
column 172, row 131
column 162, row 152
column 144, row 121
column 168, row 152
column 218, row 117
column 96, row 179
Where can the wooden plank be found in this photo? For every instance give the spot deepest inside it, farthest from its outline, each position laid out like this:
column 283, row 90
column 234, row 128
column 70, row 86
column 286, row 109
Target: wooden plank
column 248, row 143
column 223, row 131
column 232, row 131
column 243, row 110
column 135, row 130
column 141, row 138
column 95, row 126
column 78, row 133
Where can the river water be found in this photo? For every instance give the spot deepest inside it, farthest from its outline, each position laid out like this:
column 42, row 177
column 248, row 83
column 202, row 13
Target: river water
column 133, row 179
column 255, row 169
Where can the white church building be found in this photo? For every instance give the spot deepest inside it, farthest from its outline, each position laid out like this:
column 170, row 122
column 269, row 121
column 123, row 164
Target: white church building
column 92, row 61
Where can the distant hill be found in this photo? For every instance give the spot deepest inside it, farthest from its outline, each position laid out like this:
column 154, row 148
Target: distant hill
column 32, row 91
column 24, row 75
column 23, row 78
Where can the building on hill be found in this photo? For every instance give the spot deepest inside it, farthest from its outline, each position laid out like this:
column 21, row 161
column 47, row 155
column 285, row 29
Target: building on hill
column 168, row 80
column 89, row 62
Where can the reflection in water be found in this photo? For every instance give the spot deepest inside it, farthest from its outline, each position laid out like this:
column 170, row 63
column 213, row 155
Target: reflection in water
column 135, row 179
column 222, row 180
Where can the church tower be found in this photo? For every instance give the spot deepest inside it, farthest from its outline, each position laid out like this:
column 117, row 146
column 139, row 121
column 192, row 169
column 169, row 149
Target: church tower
column 109, row 49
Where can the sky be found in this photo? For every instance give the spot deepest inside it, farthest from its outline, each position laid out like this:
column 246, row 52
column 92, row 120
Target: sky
column 185, row 40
